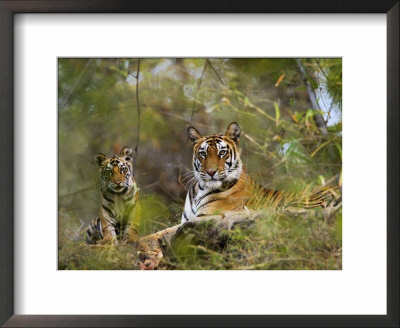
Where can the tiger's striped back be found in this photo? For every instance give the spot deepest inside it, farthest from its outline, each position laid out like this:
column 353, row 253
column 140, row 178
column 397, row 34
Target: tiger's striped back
column 285, row 200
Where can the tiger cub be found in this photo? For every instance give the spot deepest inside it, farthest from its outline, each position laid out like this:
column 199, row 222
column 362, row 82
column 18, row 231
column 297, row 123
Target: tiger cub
column 222, row 184
column 119, row 210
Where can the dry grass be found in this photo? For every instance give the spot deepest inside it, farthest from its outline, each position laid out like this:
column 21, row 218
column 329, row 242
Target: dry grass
column 276, row 241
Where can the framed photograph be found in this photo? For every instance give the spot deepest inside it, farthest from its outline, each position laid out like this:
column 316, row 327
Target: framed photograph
column 178, row 198
column 168, row 164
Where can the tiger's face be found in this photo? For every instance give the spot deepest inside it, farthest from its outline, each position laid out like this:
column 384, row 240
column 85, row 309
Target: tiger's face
column 216, row 157
column 116, row 171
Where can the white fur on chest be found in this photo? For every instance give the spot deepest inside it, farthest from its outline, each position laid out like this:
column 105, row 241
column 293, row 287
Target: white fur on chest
column 119, row 208
column 192, row 206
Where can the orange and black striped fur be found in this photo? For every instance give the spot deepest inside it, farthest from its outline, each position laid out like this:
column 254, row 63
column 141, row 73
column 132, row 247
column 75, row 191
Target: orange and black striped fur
column 119, row 209
column 222, row 184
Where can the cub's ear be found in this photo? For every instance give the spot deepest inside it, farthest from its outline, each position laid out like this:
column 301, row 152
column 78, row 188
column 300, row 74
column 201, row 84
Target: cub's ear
column 233, row 132
column 193, row 134
column 128, row 152
column 100, row 158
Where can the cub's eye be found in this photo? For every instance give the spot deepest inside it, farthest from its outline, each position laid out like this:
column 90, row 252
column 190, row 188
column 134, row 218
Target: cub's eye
column 222, row 153
column 203, row 154
column 108, row 172
column 127, row 158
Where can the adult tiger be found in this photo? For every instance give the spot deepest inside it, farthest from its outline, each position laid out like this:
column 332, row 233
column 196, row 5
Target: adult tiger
column 119, row 210
column 222, row 183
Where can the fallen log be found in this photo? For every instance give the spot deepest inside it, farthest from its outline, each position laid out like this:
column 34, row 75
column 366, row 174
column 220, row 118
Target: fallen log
column 151, row 247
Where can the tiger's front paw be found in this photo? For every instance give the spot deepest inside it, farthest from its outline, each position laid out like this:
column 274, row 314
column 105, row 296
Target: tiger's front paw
column 150, row 260
column 131, row 236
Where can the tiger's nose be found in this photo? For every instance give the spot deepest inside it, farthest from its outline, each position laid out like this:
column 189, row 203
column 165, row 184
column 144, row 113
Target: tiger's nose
column 211, row 172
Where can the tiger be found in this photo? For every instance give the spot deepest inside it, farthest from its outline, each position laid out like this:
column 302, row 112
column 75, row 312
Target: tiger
column 222, row 183
column 119, row 215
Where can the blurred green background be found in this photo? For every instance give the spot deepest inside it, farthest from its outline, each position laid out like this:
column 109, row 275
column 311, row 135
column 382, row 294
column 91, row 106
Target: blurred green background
column 281, row 144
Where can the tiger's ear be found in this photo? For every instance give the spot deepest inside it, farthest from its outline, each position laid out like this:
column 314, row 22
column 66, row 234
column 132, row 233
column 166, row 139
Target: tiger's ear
column 100, row 158
column 233, row 132
column 193, row 134
column 128, row 152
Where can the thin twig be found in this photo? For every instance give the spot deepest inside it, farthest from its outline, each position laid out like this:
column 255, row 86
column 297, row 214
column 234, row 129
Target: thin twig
column 328, row 116
column 138, row 111
column 182, row 118
column 216, row 73
column 198, row 88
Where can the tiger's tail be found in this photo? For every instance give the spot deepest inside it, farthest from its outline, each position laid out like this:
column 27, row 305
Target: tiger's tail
column 325, row 197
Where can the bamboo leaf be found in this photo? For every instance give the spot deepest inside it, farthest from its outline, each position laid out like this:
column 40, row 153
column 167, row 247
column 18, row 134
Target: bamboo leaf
column 319, row 148
column 280, row 79
column 277, row 113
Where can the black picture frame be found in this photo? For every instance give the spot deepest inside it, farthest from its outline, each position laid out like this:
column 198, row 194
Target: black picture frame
column 11, row 7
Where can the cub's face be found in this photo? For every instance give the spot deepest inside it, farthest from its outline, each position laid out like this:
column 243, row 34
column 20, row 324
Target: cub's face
column 116, row 171
column 216, row 157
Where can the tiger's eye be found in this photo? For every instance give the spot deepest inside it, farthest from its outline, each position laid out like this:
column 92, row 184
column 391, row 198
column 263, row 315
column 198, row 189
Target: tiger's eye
column 202, row 154
column 222, row 153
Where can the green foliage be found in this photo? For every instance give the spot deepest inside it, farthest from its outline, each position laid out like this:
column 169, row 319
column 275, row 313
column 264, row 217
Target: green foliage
column 276, row 241
column 281, row 146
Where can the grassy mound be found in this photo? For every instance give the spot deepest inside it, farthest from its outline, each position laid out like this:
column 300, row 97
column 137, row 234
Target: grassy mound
column 277, row 241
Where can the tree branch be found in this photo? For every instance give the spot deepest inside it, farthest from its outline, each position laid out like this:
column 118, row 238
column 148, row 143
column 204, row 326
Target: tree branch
column 216, row 73
column 318, row 118
column 151, row 247
column 198, row 88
